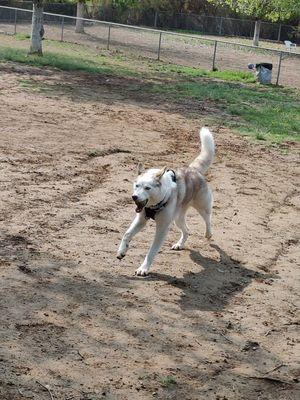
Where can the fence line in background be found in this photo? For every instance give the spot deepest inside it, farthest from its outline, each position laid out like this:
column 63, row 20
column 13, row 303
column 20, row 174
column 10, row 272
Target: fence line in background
column 206, row 24
column 112, row 24
column 219, row 25
column 160, row 33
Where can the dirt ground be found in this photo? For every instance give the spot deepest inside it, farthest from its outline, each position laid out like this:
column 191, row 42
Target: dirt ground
column 216, row 321
column 175, row 49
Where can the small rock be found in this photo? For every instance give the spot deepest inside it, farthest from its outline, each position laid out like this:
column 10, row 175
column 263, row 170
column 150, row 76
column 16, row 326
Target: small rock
column 250, row 346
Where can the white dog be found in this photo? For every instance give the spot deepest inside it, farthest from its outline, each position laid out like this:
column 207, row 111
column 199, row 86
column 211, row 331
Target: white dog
column 165, row 195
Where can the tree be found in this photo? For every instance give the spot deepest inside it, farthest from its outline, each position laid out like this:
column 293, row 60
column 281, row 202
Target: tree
column 37, row 29
column 270, row 10
column 80, row 13
column 79, row 28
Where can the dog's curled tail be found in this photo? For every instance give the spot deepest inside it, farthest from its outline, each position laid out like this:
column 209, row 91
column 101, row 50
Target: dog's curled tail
column 203, row 161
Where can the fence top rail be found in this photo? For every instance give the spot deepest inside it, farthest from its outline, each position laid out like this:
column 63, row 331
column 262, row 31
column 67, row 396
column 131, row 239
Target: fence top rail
column 197, row 37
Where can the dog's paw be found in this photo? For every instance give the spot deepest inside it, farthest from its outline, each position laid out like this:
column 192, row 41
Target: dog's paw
column 142, row 271
column 122, row 250
column 120, row 255
column 177, row 246
column 208, row 236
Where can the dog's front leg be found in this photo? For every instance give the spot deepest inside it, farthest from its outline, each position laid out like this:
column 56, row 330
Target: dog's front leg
column 137, row 224
column 162, row 227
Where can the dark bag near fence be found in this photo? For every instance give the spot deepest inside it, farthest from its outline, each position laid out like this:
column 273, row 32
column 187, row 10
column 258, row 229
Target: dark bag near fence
column 264, row 73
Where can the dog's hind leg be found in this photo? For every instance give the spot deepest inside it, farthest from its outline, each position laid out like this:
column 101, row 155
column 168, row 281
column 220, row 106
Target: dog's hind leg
column 205, row 210
column 137, row 224
column 206, row 215
column 181, row 224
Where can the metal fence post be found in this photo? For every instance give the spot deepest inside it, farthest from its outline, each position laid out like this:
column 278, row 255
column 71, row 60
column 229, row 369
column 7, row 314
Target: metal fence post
column 155, row 19
column 62, row 29
column 214, row 57
column 108, row 37
column 279, row 33
column 279, row 67
column 159, row 46
column 221, row 26
column 253, row 31
column 16, row 14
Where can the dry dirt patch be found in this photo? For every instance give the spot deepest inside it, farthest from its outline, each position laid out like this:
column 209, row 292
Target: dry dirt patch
column 215, row 321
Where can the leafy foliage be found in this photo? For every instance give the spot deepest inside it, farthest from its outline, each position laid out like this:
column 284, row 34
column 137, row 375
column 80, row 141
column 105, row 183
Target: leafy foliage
column 273, row 10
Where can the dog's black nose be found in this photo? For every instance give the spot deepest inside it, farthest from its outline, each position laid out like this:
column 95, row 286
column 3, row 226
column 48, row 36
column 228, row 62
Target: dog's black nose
column 134, row 197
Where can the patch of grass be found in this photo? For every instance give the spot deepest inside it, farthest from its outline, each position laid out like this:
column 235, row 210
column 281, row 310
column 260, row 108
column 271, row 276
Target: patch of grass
column 22, row 36
column 168, row 381
column 76, row 57
column 62, row 89
column 259, row 111
column 260, row 136
column 71, row 57
column 66, row 62
column 191, row 72
column 25, row 82
column 29, row 83
column 233, row 76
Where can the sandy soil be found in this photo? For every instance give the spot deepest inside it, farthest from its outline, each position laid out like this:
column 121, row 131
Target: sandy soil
column 215, row 321
column 174, row 49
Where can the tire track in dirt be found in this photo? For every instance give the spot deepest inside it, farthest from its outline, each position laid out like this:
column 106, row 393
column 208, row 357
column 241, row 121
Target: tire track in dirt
column 283, row 247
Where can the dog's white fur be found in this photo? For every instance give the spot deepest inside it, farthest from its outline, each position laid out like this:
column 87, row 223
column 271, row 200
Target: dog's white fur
column 157, row 186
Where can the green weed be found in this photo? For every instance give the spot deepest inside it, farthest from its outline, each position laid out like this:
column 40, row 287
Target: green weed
column 168, row 381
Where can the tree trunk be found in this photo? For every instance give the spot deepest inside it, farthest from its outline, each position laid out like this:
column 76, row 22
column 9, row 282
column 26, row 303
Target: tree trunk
column 256, row 32
column 80, row 14
column 37, row 29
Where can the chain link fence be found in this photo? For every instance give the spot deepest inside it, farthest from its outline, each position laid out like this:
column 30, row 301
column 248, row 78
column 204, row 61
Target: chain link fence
column 204, row 24
column 167, row 46
column 221, row 26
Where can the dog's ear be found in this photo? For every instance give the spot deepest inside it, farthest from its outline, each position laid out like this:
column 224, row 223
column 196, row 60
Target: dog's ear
column 160, row 173
column 140, row 168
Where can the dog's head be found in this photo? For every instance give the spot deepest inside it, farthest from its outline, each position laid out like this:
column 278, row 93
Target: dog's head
column 151, row 186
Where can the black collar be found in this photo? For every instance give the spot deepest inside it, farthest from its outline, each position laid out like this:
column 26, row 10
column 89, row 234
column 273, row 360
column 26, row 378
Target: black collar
column 150, row 212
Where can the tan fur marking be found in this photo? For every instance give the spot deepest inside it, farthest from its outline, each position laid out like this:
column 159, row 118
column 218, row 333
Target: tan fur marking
column 160, row 173
column 193, row 182
column 140, row 168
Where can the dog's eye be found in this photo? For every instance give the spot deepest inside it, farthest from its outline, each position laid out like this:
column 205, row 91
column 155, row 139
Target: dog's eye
column 147, row 188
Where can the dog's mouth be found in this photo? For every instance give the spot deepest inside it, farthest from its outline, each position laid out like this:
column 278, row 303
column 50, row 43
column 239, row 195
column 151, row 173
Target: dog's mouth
column 140, row 205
